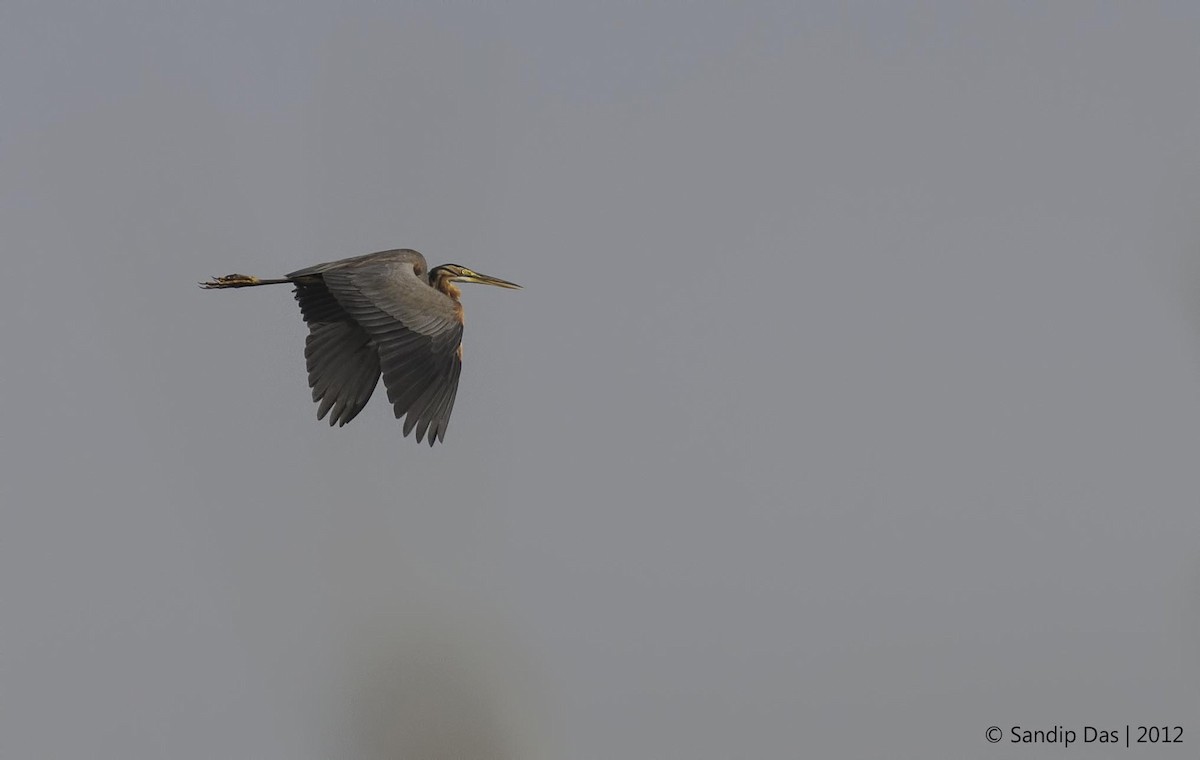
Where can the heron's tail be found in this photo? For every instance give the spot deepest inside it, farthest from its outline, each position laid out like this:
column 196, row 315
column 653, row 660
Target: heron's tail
column 239, row 281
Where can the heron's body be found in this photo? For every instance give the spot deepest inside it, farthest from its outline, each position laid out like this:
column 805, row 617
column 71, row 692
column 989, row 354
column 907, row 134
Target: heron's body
column 386, row 314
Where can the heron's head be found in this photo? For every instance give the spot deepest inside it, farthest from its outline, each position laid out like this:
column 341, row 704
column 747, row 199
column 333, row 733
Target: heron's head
column 441, row 277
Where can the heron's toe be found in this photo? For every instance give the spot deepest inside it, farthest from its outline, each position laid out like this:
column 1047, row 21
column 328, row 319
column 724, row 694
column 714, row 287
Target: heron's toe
column 230, row 281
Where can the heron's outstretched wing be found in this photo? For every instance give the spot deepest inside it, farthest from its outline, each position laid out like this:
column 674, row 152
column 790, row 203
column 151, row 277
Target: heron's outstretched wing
column 417, row 331
column 343, row 365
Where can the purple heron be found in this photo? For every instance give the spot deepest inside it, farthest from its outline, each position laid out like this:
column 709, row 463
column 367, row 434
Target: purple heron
column 383, row 313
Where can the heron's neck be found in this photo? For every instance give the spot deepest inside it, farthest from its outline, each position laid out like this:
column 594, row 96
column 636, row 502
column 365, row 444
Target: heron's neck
column 444, row 284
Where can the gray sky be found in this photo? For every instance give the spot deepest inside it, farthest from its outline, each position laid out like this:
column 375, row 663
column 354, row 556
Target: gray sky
column 852, row 404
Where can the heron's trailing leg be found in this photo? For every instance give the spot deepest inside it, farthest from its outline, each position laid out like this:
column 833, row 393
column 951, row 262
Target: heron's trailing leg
column 239, row 281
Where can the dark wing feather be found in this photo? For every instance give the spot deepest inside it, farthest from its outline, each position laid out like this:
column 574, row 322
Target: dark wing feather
column 441, row 415
column 416, row 330
column 343, row 365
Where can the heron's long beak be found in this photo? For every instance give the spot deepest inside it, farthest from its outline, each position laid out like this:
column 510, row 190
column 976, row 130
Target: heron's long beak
column 483, row 279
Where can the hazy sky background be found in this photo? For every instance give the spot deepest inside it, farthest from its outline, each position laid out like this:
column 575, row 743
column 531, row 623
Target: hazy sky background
column 852, row 404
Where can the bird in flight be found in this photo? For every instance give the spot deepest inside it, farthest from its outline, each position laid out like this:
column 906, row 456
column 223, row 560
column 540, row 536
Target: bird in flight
column 383, row 313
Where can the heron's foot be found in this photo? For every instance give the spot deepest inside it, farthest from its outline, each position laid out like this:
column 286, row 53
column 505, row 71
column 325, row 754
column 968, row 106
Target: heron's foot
column 231, row 281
